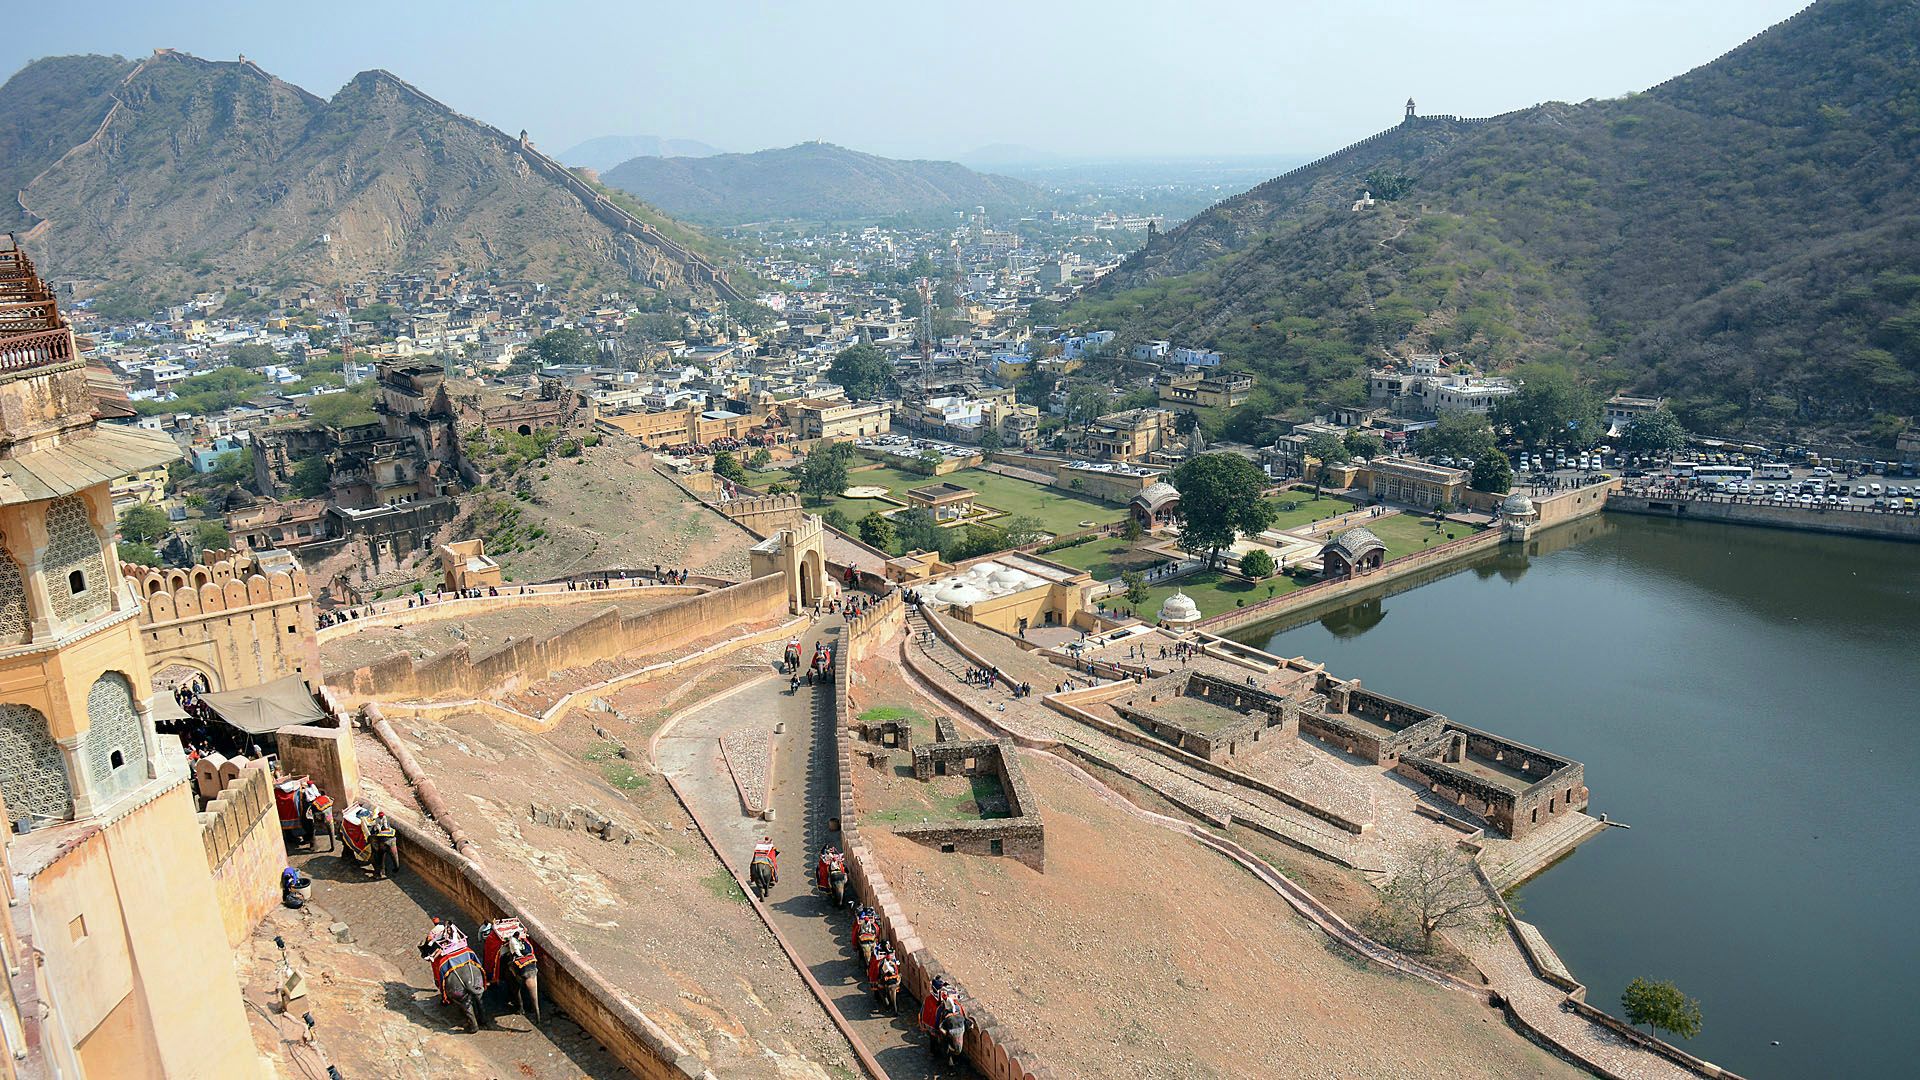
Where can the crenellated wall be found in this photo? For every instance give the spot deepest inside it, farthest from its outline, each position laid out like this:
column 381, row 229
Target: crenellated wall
column 240, row 830
column 227, row 620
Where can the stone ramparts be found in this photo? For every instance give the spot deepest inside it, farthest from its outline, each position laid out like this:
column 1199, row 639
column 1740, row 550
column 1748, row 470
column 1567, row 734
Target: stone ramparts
column 994, row 1049
column 240, row 830
column 522, row 662
column 391, row 615
column 629, row 1034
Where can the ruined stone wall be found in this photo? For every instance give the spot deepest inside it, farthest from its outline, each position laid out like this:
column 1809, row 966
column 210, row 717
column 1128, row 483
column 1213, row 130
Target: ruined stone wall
column 525, row 661
column 1020, row 835
column 240, row 830
column 565, row 976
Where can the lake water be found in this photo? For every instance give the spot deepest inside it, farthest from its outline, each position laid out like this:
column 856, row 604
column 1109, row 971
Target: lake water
column 1749, row 701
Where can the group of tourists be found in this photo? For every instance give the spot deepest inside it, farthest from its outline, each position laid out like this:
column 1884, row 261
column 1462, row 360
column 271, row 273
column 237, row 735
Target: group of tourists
column 820, row 667
column 981, row 676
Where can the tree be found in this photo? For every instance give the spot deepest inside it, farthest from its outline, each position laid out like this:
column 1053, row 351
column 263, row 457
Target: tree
column 990, row 440
column 1662, row 1007
column 144, row 523
column 564, row 346
column 877, row 529
column 728, row 467
column 251, row 356
column 930, row 461
column 1023, row 529
column 1086, row 403
column 824, row 472
column 1461, row 436
column 1220, row 497
column 1256, row 564
column 211, row 536
column 1493, row 472
column 917, row 531
column 1136, row 583
column 1657, row 432
column 1132, row 530
column 863, row 371
column 232, row 467
column 311, row 477
column 1435, row 889
column 760, row 458
column 134, row 551
column 1329, row 451
column 1551, row 410
column 1364, row 444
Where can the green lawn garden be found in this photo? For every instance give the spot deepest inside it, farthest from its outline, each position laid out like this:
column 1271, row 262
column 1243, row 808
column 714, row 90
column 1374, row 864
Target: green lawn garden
column 1406, row 534
column 1057, row 511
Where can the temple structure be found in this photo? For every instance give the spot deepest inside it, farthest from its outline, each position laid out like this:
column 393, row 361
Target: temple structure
column 118, row 962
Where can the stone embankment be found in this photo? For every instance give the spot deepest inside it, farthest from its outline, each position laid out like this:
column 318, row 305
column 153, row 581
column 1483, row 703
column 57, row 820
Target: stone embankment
column 1698, row 506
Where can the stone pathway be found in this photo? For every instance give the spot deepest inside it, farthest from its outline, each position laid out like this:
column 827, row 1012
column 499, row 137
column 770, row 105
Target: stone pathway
column 804, row 796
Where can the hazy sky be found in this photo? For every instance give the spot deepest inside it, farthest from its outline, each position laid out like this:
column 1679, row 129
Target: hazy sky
column 1106, row 78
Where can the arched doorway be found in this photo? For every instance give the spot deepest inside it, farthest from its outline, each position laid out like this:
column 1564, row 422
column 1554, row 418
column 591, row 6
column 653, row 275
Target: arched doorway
column 810, row 578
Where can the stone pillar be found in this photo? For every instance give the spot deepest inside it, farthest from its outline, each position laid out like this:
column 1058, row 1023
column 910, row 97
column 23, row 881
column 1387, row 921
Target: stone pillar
column 143, row 714
column 31, row 530
column 1287, row 720
column 79, row 780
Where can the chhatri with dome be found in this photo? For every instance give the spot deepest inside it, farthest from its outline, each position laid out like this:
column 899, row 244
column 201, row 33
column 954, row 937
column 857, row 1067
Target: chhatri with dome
column 1179, row 612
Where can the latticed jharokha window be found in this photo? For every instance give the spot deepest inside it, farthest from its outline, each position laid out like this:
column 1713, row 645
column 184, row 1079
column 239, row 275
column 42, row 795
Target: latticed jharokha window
column 73, row 556
column 15, row 627
column 33, row 778
column 116, row 754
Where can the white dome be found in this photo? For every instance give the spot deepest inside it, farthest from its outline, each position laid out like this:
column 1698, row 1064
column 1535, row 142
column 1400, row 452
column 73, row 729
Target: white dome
column 1516, row 505
column 1179, row 608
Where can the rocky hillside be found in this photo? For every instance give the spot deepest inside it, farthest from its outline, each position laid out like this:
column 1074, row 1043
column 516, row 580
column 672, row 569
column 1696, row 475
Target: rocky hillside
column 176, row 173
column 812, row 181
column 1744, row 237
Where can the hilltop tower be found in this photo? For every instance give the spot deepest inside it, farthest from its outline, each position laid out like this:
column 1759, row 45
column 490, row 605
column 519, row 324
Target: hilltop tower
column 1409, row 118
column 112, row 924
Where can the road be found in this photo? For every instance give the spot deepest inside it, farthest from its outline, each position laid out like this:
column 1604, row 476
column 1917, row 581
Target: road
column 389, row 917
column 803, row 797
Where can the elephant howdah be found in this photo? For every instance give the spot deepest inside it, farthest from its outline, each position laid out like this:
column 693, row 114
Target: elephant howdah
column 367, row 839
column 508, row 956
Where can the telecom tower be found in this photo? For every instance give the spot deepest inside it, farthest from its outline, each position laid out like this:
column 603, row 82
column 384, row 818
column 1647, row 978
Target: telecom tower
column 925, row 287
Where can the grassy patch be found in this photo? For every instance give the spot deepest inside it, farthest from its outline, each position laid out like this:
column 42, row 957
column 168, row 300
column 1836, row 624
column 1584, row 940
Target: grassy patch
column 880, row 714
column 1105, row 557
column 1405, row 534
column 614, row 769
column 721, row 884
column 1213, row 590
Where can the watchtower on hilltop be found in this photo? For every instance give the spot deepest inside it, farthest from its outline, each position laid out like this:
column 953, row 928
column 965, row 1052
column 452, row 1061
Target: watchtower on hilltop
column 1410, row 114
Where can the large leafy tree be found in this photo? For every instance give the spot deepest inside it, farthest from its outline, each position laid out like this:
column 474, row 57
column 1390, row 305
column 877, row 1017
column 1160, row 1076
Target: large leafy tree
column 1220, row 497
column 1656, row 432
column 1662, row 1007
column 144, row 523
column 311, row 476
column 917, row 531
column 862, row 370
column 1464, row 436
column 1256, row 564
column 728, row 467
column 824, row 472
column 565, row 346
column 1364, row 444
column 1492, row 472
column 1551, row 410
column 877, row 529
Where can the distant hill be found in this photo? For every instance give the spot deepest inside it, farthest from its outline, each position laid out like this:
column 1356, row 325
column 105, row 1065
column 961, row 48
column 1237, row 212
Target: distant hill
column 607, row 151
column 176, row 173
column 1745, row 238
column 813, row 181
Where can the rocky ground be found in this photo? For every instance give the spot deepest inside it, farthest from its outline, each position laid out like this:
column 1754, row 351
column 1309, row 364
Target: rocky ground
column 371, row 641
column 608, row 509
column 659, row 915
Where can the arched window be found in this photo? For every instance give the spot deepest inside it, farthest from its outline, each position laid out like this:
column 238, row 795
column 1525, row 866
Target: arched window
column 33, row 778
column 116, row 753
column 77, row 582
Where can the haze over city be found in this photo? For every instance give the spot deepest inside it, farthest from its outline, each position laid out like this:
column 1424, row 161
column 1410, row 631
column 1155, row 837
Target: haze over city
column 1084, row 79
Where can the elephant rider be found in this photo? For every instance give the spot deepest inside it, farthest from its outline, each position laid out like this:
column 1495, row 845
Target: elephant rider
column 866, row 927
column 765, row 850
column 941, row 994
column 441, row 935
column 830, row 860
column 881, row 951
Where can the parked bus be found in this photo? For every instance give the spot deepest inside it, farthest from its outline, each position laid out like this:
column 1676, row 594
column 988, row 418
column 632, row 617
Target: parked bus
column 1683, row 468
column 1722, row 474
column 1776, row 470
